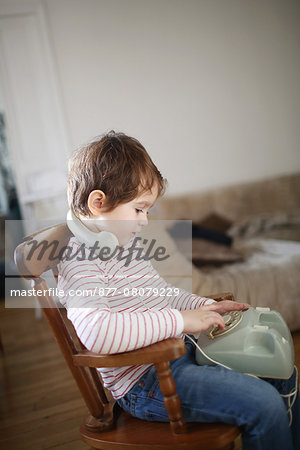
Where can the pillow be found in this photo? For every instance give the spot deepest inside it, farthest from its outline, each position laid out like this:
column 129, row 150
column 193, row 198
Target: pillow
column 208, row 253
column 216, row 222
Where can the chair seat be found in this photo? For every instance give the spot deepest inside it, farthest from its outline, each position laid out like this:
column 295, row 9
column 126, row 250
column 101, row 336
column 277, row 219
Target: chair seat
column 132, row 433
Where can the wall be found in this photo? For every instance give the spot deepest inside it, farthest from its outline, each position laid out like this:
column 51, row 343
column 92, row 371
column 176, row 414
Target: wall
column 36, row 132
column 211, row 88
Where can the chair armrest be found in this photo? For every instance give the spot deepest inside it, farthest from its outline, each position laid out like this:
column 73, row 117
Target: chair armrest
column 222, row 296
column 167, row 350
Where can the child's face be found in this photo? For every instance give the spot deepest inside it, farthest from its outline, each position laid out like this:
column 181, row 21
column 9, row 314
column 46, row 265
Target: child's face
column 127, row 219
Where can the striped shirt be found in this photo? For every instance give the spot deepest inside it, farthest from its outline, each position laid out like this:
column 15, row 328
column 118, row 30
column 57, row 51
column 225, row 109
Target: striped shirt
column 117, row 307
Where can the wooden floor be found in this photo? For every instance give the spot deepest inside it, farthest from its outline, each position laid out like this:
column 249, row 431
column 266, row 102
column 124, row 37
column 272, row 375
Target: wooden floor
column 41, row 407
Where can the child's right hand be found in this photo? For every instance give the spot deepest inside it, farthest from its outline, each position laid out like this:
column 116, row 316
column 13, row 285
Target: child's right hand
column 196, row 320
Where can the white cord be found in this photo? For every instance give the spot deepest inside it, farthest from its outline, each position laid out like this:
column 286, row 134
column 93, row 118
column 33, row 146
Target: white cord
column 293, row 392
column 204, row 354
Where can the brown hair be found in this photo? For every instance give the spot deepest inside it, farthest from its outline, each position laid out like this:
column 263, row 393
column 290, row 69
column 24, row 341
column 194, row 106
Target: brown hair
column 116, row 164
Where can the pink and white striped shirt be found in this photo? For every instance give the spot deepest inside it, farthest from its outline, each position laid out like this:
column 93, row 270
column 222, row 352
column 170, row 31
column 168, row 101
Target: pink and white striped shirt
column 116, row 308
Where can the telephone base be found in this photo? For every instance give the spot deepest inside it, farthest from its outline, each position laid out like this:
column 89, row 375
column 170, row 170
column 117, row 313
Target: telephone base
column 256, row 341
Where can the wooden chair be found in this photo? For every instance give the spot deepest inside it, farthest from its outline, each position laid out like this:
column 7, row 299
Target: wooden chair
column 107, row 426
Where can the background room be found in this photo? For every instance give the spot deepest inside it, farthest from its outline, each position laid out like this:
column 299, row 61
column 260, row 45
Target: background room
column 210, row 88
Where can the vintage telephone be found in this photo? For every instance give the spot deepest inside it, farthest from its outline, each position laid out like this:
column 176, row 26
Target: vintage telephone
column 256, row 341
column 88, row 237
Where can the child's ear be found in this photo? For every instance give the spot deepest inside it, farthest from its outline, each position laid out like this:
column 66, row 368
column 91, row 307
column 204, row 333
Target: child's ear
column 96, row 202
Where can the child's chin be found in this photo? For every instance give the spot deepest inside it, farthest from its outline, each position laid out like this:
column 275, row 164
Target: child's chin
column 126, row 239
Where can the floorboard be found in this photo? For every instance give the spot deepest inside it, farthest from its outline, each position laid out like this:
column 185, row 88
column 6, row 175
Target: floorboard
column 41, row 407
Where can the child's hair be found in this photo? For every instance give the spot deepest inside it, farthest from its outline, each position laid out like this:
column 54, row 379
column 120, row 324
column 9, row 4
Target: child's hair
column 116, row 164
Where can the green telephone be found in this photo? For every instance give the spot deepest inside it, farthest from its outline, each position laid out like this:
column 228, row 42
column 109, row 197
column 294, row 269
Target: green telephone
column 256, row 341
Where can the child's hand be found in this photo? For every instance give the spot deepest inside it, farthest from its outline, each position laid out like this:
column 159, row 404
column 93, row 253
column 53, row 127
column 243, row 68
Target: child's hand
column 196, row 320
column 227, row 305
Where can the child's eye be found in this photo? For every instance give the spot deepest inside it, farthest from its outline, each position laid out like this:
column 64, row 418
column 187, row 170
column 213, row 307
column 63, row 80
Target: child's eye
column 138, row 210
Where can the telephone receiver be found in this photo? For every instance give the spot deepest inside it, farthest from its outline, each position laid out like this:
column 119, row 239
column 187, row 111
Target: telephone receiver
column 90, row 238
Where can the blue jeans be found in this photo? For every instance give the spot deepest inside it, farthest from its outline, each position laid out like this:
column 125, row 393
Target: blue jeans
column 216, row 394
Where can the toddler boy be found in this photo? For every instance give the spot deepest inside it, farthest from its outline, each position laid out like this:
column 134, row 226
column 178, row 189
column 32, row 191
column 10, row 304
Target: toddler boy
column 112, row 185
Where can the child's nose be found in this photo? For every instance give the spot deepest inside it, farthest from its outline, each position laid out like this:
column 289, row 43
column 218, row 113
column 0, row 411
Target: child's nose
column 144, row 221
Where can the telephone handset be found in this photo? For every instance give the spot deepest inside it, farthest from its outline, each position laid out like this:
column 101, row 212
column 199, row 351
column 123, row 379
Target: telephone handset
column 90, row 238
column 256, row 341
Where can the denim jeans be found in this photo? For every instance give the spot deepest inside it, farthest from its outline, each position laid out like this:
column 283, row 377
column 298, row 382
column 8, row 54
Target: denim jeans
column 216, row 394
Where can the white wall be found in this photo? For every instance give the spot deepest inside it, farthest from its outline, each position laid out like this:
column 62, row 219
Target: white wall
column 1, row 102
column 210, row 87
column 35, row 126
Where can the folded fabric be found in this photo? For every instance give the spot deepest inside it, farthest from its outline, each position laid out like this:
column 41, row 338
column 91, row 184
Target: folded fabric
column 183, row 230
column 266, row 223
column 201, row 232
column 216, row 221
column 203, row 252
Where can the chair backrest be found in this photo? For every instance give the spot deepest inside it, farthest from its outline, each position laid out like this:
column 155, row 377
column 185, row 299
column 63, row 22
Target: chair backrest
column 38, row 253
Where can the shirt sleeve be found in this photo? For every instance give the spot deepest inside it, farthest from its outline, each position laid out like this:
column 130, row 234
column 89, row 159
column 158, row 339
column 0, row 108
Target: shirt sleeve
column 99, row 328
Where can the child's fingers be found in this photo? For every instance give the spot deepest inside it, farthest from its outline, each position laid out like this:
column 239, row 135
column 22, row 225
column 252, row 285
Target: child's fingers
column 227, row 305
column 218, row 306
column 198, row 320
column 246, row 306
column 214, row 318
column 242, row 306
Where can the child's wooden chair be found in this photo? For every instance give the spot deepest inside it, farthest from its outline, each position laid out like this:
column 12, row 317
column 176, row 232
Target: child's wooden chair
column 107, row 426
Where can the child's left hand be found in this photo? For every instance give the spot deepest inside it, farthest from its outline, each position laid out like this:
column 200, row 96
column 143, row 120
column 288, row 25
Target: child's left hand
column 227, row 305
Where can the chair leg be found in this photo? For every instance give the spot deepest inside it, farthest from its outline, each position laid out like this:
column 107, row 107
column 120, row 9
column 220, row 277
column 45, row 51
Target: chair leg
column 1, row 345
column 228, row 447
column 171, row 399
